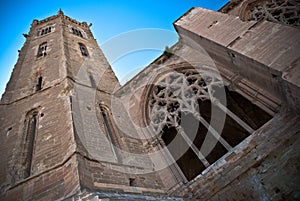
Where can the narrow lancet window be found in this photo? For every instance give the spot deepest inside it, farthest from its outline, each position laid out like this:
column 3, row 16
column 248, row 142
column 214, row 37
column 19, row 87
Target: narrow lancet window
column 39, row 84
column 28, row 143
column 110, row 134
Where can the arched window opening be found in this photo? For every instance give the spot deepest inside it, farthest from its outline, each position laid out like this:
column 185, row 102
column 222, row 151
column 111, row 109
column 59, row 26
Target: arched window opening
column 28, row 142
column 185, row 110
column 8, row 131
column 42, row 50
column 109, row 130
column 83, row 50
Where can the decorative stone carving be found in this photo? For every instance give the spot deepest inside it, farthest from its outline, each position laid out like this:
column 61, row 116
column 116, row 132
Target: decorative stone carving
column 179, row 92
column 279, row 11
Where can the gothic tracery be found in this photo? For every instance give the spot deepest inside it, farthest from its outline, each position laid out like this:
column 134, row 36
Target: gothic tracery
column 177, row 93
column 187, row 110
column 280, row 11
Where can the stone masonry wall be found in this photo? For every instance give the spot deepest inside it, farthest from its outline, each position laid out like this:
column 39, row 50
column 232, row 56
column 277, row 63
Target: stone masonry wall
column 53, row 143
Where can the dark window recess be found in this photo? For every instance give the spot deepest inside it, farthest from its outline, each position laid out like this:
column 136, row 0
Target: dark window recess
column 45, row 31
column 132, row 182
column 8, row 131
column 77, row 32
column 39, row 84
column 28, row 145
column 83, row 50
column 42, row 50
column 185, row 158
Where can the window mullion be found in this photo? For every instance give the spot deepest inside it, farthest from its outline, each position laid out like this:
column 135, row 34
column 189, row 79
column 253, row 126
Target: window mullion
column 213, row 132
column 233, row 116
column 193, row 147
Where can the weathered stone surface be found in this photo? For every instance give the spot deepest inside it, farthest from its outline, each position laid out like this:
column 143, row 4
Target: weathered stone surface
column 91, row 138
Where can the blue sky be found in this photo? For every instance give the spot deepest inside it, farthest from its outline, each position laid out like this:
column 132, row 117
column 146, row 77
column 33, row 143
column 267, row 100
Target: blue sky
column 110, row 18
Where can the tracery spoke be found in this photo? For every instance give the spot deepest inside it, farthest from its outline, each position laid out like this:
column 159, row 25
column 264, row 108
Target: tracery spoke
column 212, row 131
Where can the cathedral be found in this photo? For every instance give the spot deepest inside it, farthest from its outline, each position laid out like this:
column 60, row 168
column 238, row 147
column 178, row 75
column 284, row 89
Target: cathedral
column 215, row 117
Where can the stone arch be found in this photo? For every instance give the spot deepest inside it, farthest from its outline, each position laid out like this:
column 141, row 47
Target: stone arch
column 28, row 141
column 185, row 110
column 110, row 131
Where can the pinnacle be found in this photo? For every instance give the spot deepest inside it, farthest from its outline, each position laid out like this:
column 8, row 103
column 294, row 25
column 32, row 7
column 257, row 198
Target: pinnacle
column 60, row 12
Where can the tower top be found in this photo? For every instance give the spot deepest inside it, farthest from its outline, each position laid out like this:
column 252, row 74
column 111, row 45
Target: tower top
column 60, row 12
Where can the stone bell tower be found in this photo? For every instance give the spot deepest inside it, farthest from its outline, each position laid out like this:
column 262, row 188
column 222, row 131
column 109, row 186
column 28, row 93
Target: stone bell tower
column 36, row 100
column 58, row 137
column 43, row 153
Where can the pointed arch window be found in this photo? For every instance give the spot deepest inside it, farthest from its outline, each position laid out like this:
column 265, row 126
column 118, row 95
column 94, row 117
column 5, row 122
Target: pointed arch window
column 83, row 50
column 42, row 50
column 200, row 120
column 39, row 84
column 31, row 124
column 109, row 130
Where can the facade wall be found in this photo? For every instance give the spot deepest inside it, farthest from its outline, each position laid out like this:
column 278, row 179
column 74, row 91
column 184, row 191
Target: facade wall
column 275, row 178
column 262, row 52
column 55, row 184
column 50, row 150
column 257, row 169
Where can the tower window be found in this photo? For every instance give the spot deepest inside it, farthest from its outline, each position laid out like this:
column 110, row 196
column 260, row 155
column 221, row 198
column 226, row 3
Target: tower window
column 110, row 132
column 39, row 84
column 83, row 50
column 8, row 131
column 28, row 142
column 45, row 31
column 77, row 32
column 132, row 182
column 42, row 50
